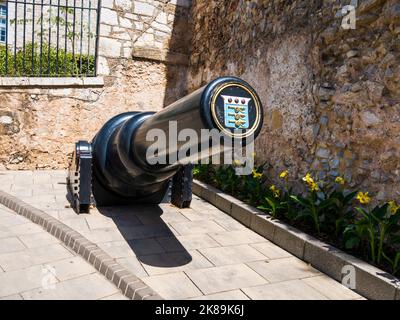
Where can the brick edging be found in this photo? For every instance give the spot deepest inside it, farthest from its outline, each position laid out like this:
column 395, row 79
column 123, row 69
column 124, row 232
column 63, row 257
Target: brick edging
column 130, row 285
column 371, row 282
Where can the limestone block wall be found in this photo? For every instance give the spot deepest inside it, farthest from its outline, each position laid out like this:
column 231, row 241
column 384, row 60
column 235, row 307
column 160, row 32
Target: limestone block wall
column 330, row 93
column 143, row 55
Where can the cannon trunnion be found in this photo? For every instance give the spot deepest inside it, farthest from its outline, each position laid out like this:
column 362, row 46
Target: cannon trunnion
column 116, row 169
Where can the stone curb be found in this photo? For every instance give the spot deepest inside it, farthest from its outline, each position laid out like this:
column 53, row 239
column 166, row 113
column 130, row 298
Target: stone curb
column 130, row 285
column 371, row 282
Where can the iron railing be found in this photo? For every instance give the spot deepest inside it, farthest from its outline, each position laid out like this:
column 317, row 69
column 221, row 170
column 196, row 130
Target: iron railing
column 50, row 38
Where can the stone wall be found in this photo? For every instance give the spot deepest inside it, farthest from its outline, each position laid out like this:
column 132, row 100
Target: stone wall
column 331, row 95
column 143, row 58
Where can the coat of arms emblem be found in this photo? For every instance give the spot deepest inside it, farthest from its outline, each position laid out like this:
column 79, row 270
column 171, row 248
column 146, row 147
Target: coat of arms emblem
column 236, row 112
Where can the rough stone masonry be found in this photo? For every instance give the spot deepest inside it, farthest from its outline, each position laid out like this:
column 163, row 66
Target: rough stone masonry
column 331, row 95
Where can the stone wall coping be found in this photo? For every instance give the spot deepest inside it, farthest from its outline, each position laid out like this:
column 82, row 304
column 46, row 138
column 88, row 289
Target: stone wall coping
column 159, row 55
column 371, row 282
column 129, row 284
column 50, row 82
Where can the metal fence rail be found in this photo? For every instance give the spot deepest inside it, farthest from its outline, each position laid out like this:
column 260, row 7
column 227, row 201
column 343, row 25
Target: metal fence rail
column 50, row 38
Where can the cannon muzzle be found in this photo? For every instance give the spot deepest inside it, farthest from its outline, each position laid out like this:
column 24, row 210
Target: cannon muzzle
column 135, row 155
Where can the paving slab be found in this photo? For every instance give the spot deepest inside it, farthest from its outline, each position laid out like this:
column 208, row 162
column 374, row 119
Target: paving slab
column 200, row 214
column 231, row 238
column 270, row 250
column 174, row 262
column 283, row 269
column 15, row 282
column 116, row 296
column 99, row 222
column 33, row 256
column 232, row 255
column 26, row 228
column 77, row 224
column 10, row 221
column 117, row 249
column 189, row 242
column 229, row 223
column 330, row 288
column 89, row 287
column 132, row 263
column 196, row 227
column 146, row 246
column 199, row 253
column 37, row 239
column 11, row 244
column 227, row 295
column 5, row 233
column 70, row 268
column 288, row 290
column 220, row 279
column 155, row 218
column 173, row 286
column 12, row 297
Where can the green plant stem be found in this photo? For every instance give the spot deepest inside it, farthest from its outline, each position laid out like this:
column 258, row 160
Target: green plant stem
column 381, row 240
column 315, row 214
column 372, row 243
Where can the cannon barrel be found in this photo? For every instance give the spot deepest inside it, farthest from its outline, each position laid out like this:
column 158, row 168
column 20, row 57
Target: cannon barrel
column 119, row 153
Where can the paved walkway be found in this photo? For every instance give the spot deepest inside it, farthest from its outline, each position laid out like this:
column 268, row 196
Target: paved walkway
column 196, row 253
column 35, row 265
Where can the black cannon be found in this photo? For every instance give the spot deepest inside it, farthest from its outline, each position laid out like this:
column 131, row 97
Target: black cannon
column 116, row 168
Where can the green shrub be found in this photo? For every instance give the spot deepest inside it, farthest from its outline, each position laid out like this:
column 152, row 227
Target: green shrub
column 68, row 64
column 376, row 229
column 327, row 205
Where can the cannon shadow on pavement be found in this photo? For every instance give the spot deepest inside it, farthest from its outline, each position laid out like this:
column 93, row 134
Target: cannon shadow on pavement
column 148, row 235
column 151, row 239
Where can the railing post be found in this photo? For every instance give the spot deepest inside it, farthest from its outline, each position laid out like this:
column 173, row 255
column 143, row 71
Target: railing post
column 96, row 55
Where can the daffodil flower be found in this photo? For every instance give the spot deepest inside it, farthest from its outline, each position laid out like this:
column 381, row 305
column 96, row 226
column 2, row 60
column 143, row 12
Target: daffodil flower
column 284, row 174
column 276, row 192
column 393, row 207
column 340, row 180
column 308, row 179
column 310, row 182
column 256, row 175
column 363, row 198
column 314, row 187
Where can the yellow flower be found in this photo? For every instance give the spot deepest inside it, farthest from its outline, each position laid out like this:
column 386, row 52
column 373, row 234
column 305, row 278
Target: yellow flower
column 253, row 155
column 340, row 180
column 393, row 207
column 236, row 163
column 310, row 182
column 276, row 192
column 256, row 175
column 313, row 186
column 284, row 174
column 363, row 198
column 308, row 179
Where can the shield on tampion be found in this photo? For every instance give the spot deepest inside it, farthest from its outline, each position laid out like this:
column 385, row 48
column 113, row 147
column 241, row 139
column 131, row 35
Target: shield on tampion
column 236, row 112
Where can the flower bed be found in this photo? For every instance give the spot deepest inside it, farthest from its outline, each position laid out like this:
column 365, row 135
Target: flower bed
column 326, row 209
